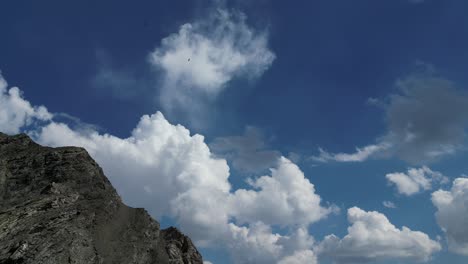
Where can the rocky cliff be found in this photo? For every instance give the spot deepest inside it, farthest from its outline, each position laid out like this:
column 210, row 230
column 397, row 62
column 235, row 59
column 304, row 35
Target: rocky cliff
column 56, row 206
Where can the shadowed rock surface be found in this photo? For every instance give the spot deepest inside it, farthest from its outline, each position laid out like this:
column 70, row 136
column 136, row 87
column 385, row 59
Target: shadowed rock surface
column 56, row 206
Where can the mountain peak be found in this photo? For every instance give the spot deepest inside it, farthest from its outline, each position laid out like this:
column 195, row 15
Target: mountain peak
column 57, row 206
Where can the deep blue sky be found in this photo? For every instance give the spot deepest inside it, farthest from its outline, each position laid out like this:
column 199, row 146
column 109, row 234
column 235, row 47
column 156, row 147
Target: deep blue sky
column 331, row 56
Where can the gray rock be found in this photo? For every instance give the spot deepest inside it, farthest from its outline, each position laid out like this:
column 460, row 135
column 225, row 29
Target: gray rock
column 56, row 206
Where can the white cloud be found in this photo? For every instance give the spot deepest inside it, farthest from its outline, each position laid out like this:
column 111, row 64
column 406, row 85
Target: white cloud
column 254, row 244
column 169, row 164
column 199, row 61
column 258, row 244
column 284, row 198
column 163, row 168
column 160, row 167
column 371, row 238
column 15, row 112
column 452, row 215
column 360, row 155
column 300, row 257
column 389, row 204
column 415, row 180
column 168, row 171
column 299, row 240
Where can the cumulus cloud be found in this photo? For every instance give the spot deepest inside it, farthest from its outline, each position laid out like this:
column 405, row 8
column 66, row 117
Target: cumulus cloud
column 452, row 214
column 285, row 198
column 168, row 171
column 389, row 204
column 371, row 238
column 415, row 180
column 168, row 164
column 163, row 168
column 300, row 257
column 158, row 165
column 248, row 153
column 15, row 112
column 199, row 60
column 258, row 244
column 426, row 120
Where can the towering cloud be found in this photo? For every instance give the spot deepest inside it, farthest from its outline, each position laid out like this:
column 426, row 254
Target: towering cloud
column 452, row 214
column 166, row 170
column 170, row 172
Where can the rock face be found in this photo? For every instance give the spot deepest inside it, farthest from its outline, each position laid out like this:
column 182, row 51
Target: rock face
column 56, row 206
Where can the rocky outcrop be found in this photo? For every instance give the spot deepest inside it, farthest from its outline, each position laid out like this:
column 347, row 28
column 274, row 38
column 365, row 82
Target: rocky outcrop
column 56, row 206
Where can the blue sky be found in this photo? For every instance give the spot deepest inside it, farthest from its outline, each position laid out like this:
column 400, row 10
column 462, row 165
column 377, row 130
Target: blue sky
column 293, row 86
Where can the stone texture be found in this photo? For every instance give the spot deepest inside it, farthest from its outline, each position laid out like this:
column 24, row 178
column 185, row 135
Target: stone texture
column 56, row 206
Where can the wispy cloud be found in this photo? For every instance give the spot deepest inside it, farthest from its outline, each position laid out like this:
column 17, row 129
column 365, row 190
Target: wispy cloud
column 360, row 155
column 123, row 82
column 389, row 204
column 248, row 153
column 426, row 121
